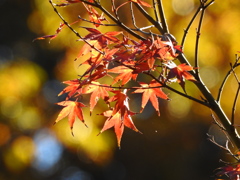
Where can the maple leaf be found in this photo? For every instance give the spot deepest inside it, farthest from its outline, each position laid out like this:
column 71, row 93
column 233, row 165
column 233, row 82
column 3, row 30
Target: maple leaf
column 100, row 71
column 67, row 2
column 103, row 38
column 94, row 16
column 72, row 109
column 97, row 91
column 118, row 121
column 180, row 72
column 72, row 88
column 164, row 49
column 150, row 92
column 230, row 171
column 59, row 29
column 125, row 74
column 121, row 100
column 52, row 36
column 120, row 116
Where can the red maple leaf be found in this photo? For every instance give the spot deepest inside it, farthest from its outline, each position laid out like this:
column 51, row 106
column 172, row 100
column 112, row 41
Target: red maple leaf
column 231, row 171
column 103, row 38
column 151, row 92
column 62, row 25
column 59, row 29
column 94, row 16
column 72, row 109
column 181, row 73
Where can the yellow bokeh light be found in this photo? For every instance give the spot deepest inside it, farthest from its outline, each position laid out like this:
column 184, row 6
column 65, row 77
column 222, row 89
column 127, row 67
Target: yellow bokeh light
column 21, row 78
column 85, row 139
column 183, row 7
column 11, row 107
column 20, row 155
column 179, row 107
column 29, row 119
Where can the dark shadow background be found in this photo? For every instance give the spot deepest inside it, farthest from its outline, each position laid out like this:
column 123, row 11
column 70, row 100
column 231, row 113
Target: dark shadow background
column 31, row 148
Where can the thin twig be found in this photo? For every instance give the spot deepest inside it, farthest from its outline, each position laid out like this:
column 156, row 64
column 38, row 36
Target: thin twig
column 208, row 4
column 197, row 40
column 115, row 10
column 114, row 19
column 132, row 15
column 92, row 22
column 156, row 12
column 168, row 87
column 236, row 64
column 226, row 148
column 120, row 24
column 75, row 32
column 236, row 97
column 139, row 29
column 149, row 18
column 162, row 16
column 189, row 25
column 178, row 92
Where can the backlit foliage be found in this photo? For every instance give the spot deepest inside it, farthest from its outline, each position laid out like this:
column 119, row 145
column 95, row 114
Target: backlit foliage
column 122, row 56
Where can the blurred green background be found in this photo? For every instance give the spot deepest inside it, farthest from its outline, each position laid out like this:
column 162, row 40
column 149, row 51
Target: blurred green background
column 173, row 146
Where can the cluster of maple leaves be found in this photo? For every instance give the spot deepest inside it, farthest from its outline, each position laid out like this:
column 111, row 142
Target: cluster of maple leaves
column 122, row 58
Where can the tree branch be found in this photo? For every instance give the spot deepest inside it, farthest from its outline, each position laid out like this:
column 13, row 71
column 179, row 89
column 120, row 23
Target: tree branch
column 236, row 97
column 75, row 32
column 162, row 17
column 189, row 25
column 197, row 40
column 150, row 19
column 236, row 64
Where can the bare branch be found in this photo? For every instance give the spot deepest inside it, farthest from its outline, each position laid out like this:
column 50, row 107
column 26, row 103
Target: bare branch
column 189, row 25
column 236, row 64
column 150, row 19
column 120, row 24
column 162, row 16
column 155, row 11
column 197, row 39
column 236, row 96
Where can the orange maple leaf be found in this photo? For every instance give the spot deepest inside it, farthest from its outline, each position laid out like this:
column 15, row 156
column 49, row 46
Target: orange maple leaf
column 118, row 121
column 151, row 92
column 72, row 88
column 120, row 116
column 125, row 74
column 96, row 92
column 72, row 109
